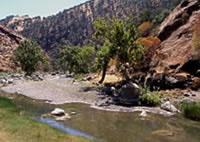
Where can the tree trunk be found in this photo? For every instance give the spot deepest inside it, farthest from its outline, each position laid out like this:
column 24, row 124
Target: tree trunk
column 104, row 73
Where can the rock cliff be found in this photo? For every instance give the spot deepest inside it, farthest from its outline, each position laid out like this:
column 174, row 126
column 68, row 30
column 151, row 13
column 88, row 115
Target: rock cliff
column 74, row 26
column 8, row 43
column 176, row 33
column 179, row 63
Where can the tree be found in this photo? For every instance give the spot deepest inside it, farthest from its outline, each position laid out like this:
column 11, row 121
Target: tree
column 29, row 55
column 68, row 58
column 85, row 59
column 77, row 59
column 117, row 37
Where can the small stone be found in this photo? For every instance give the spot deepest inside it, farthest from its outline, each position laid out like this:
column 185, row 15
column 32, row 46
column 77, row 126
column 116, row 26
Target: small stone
column 10, row 81
column 194, row 95
column 73, row 113
column 163, row 133
column 113, row 88
column 143, row 114
column 187, row 95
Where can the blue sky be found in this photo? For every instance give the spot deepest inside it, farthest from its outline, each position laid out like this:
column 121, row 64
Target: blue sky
column 35, row 7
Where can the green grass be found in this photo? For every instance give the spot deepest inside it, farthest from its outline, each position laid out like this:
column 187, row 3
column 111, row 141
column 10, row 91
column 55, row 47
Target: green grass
column 17, row 128
column 149, row 98
column 191, row 111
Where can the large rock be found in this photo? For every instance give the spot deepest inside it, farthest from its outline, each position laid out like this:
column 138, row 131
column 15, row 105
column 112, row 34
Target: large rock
column 9, row 41
column 129, row 94
column 176, row 34
column 169, row 107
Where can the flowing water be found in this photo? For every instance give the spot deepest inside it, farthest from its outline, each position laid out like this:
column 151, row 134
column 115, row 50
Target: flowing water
column 114, row 126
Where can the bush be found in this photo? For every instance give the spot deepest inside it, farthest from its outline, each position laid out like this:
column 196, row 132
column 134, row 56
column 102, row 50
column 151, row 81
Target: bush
column 196, row 39
column 149, row 98
column 145, row 28
column 30, row 56
column 191, row 111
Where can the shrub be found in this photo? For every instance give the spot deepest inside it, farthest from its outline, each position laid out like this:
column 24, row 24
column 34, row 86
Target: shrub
column 29, row 55
column 145, row 28
column 196, row 39
column 191, row 111
column 149, row 98
column 149, row 42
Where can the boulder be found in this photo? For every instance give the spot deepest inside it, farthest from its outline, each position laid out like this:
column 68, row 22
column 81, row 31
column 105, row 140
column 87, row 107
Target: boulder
column 188, row 101
column 129, row 94
column 4, row 81
column 169, row 107
column 58, row 112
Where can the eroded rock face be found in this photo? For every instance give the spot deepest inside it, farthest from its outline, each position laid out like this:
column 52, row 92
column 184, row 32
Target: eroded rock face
column 9, row 41
column 74, row 26
column 176, row 34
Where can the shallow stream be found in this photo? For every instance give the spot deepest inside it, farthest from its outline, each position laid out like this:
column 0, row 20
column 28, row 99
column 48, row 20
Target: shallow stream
column 113, row 126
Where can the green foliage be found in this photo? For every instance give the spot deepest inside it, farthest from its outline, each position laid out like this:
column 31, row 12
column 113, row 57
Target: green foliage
column 154, row 16
column 102, row 57
column 29, row 55
column 149, row 98
column 77, row 59
column 159, row 18
column 191, row 111
column 145, row 15
column 117, row 37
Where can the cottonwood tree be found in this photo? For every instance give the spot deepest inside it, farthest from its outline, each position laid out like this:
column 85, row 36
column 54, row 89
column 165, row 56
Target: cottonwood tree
column 77, row 60
column 117, row 38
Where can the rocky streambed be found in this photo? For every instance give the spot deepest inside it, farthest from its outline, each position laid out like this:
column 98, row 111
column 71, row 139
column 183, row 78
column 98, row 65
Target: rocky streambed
column 61, row 89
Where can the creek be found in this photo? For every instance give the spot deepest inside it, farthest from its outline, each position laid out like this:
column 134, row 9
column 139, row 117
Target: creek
column 107, row 126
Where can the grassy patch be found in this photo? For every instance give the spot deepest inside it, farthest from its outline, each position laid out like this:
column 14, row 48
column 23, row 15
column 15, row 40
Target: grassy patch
column 191, row 111
column 149, row 98
column 17, row 128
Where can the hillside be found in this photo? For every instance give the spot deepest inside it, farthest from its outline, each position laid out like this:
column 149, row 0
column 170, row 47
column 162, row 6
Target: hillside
column 74, row 26
column 8, row 43
column 178, row 64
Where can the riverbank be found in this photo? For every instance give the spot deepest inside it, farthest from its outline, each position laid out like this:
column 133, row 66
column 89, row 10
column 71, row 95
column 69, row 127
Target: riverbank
column 16, row 127
column 61, row 89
